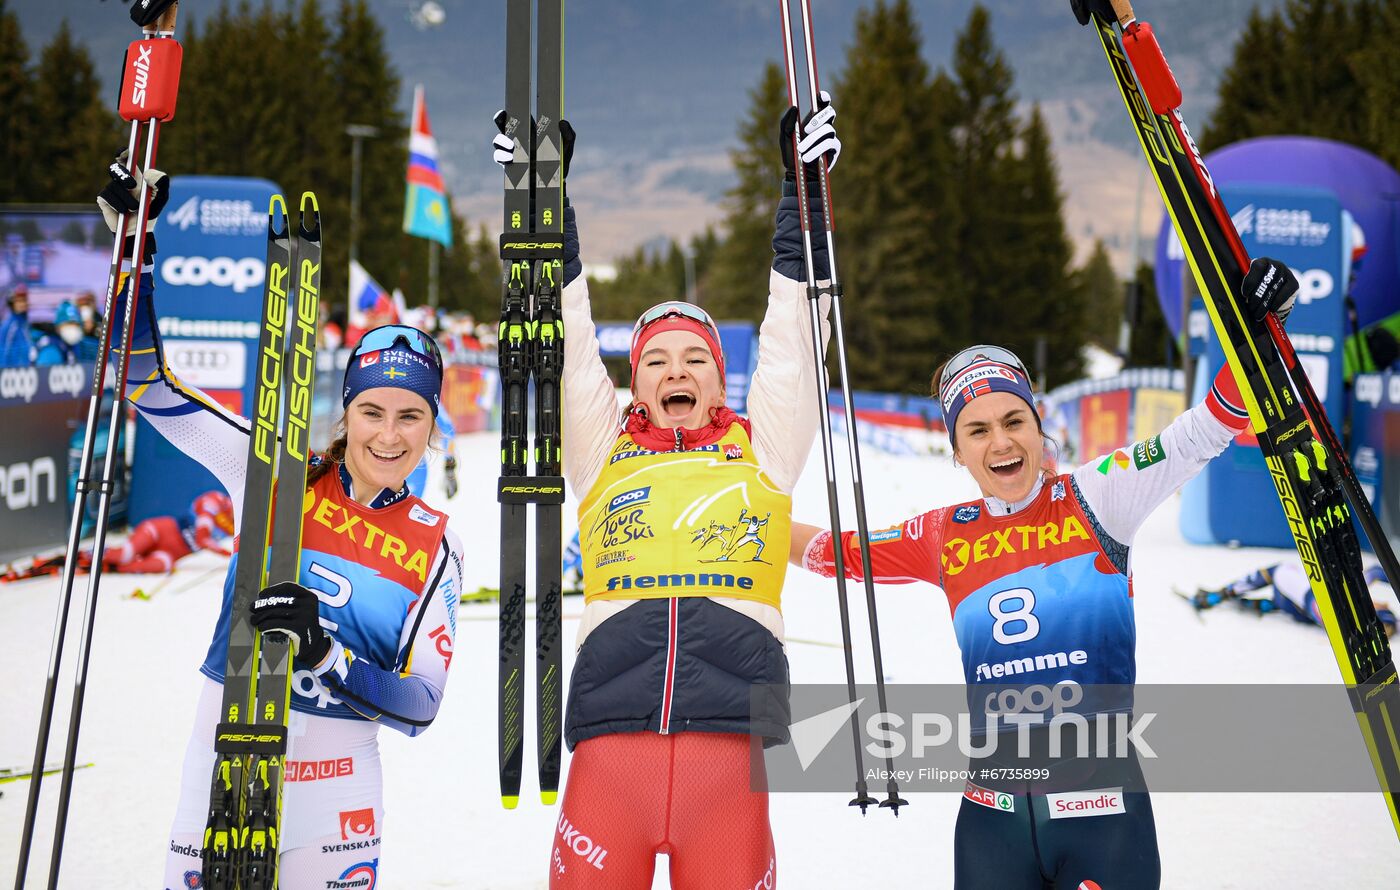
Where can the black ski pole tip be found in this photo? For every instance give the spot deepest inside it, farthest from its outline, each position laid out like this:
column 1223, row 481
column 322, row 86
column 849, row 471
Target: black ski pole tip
column 894, row 802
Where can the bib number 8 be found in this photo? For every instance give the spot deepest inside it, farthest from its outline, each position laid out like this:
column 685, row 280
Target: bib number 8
column 1020, row 601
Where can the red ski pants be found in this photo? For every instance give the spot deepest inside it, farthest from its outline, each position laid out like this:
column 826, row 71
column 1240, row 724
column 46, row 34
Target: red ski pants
column 630, row 796
column 152, row 547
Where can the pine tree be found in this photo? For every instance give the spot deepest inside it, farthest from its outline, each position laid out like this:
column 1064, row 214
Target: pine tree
column 1302, row 72
column 1248, row 104
column 365, row 90
column 1151, row 343
column 1321, row 91
column 894, row 205
column 1376, row 66
column 77, row 133
column 1039, row 300
column 736, row 283
column 306, row 91
column 984, row 136
column 1101, row 295
column 17, row 137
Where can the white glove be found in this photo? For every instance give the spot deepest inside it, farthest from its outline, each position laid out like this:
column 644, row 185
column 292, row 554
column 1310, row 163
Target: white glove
column 819, row 134
column 503, row 146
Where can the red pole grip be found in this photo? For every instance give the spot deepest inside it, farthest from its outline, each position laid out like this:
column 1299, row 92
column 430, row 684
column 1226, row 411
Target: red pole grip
column 1151, row 68
column 150, row 79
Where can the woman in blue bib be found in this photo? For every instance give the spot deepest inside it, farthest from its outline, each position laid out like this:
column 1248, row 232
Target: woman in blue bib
column 1037, row 580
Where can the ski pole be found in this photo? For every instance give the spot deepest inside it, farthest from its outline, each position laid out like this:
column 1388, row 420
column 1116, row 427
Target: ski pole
column 70, row 563
column 814, row 295
column 143, row 64
column 892, row 800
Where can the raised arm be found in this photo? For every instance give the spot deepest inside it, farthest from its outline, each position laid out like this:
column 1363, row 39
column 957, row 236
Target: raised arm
column 1123, row 497
column 185, row 416
column 783, row 401
column 591, row 413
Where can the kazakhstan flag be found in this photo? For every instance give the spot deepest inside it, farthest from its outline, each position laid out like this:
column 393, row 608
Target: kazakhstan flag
column 425, row 211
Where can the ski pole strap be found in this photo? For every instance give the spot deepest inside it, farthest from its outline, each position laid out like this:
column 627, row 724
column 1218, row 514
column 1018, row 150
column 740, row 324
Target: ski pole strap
column 240, row 738
column 530, row 490
column 833, row 290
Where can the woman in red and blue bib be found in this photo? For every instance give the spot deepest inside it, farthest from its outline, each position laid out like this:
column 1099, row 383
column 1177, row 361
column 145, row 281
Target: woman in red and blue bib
column 1037, row 578
column 373, row 609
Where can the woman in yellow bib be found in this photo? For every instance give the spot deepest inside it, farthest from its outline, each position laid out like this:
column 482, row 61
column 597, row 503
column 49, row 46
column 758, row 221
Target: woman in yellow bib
column 684, row 517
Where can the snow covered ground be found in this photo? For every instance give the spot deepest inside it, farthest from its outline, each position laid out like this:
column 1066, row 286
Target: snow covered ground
column 444, row 826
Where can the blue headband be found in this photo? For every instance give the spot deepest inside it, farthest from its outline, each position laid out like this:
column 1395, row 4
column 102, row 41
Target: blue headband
column 398, row 367
column 978, row 379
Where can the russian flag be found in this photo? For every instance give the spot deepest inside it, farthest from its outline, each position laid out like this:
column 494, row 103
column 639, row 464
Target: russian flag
column 367, row 297
column 425, row 212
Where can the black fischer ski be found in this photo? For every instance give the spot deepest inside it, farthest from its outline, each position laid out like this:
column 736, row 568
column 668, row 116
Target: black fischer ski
column 531, row 345
column 250, row 743
column 1308, row 464
column 546, row 367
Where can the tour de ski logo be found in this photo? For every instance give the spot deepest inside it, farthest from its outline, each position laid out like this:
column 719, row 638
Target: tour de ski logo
column 734, row 540
column 625, row 520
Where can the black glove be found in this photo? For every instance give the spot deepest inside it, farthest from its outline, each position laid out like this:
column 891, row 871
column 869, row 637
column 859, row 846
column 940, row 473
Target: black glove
column 1270, row 286
column 449, row 476
column 119, row 197
column 503, row 146
column 145, row 12
column 1083, row 9
column 818, row 139
column 291, row 609
column 1381, row 343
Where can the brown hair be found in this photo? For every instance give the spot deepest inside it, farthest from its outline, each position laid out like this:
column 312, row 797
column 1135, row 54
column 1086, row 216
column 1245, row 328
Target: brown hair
column 332, row 456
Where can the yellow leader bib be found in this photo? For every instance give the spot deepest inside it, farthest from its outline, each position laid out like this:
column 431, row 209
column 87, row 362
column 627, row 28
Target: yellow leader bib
column 704, row 522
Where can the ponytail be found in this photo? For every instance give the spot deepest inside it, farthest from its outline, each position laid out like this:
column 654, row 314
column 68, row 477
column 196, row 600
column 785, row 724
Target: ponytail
column 332, row 457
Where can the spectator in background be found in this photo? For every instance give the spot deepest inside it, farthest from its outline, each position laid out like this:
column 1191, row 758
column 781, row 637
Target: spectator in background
column 16, row 339
column 87, row 309
column 378, row 313
column 332, row 331
column 67, row 344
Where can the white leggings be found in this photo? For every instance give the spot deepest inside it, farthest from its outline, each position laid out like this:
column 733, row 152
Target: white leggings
column 332, row 802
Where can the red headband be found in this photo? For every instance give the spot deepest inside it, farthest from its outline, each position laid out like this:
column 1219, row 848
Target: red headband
column 677, row 323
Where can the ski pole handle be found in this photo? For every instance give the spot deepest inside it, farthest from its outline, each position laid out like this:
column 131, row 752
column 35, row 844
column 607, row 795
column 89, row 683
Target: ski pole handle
column 166, row 22
column 1124, row 10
